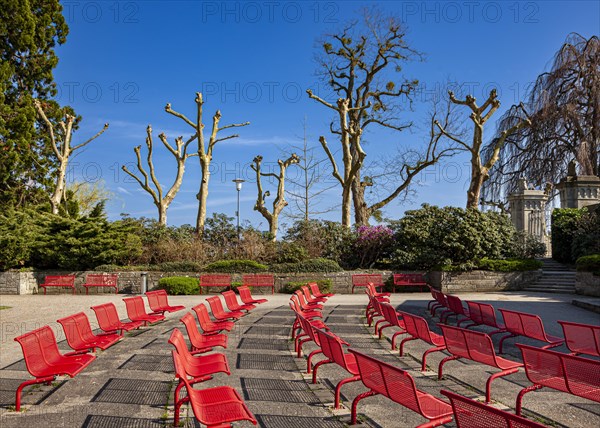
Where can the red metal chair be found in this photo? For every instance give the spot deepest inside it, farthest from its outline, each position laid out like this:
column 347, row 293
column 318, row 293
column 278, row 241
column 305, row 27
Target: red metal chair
column 391, row 316
column 233, row 304
column 469, row 413
column 199, row 367
column 159, row 302
column 220, row 314
column 312, row 316
column 247, row 298
column 310, row 298
column 440, row 301
column 399, row 386
column 455, row 308
column 214, row 407
column 567, row 373
column 582, row 338
column 109, row 322
column 208, row 326
column 137, row 312
column 314, row 287
column 201, row 343
column 478, row 347
column 332, row 347
column 372, row 309
column 305, row 304
column 308, row 336
column 484, row 314
column 45, row 362
column 80, row 337
column 528, row 325
column 418, row 328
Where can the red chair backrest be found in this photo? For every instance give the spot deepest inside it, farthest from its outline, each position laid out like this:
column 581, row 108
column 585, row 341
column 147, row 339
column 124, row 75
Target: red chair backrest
column 39, row 350
column 455, row 304
column 203, row 317
column 473, row 345
column 230, row 299
column 135, row 306
column 524, row 324
column 308, row 329
column 417, row 327
column 332, row 348
column 107, row 316
column 483, row 313
column 473, row 414
column 390, row 315
column 582, row 338
column 215, row 305
column 178, row 341
column 387, row 380
column 191, row 328
column 76, row 331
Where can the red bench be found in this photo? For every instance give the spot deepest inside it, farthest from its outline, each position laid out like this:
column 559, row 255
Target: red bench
column 214, row 407
column 246, row 296
column 311, row 315
column 208, row 326
column 221, row 281
column 418, row 328
column 484, row 314
column 455, row 308
column 199, row 342
column 478, row 347
column 440, row 301
column 332, row 347
column 45, row 362
column 80, row 337
column 372, row 309
column 362, row 279
column 137, row 312
column 409, row 280
column 219, row 313
column 233, row 304
column 567, row 373
column 399, row 386
column 391, row 316
column 528, row 325
column 59, row 281
column 473, row 414
column 258, row 280
column 109, row 322
column 101, row 280
column 159, row 302
column 309, row 334
column 582, row 338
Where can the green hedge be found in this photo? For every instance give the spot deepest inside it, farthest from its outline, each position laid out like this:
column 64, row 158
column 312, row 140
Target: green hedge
column 235, row 266
column 511, row 265
column 589, row 264
column 325, row 285
column 178, row 285
column 307, row 266
column 564, row 227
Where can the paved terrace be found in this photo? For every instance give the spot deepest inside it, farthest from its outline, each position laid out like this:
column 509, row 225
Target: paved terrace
column 131, row 384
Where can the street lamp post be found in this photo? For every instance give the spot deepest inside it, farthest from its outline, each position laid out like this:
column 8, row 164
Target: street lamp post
column 238, row 186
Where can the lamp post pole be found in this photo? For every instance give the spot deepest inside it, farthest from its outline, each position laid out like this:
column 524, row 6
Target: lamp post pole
column 238, row 186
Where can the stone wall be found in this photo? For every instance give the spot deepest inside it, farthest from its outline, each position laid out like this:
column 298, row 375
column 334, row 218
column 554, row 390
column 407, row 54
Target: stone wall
column 131, row 282
column 480, row 280
column 588, row 284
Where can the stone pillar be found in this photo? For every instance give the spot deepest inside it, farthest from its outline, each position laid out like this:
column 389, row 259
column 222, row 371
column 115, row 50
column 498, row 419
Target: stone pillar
column 528, row 211
column 579, row 191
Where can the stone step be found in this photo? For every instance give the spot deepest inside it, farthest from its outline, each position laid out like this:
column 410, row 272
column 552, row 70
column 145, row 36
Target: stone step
column 552, row 290
column 554, row 280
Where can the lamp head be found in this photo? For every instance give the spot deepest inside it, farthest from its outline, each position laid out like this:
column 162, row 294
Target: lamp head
column 238, row 183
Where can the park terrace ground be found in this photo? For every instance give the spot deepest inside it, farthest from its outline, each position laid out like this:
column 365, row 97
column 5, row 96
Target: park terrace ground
column 131, row 384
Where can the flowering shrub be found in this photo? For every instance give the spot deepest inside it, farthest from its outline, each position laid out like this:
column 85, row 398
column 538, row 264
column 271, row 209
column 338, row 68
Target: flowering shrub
column 372, row 244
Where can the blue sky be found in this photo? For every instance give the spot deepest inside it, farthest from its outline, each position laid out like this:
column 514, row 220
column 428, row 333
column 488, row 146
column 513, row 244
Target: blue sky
column 123, row 61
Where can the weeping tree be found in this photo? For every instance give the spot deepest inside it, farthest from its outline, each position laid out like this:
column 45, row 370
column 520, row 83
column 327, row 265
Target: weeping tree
column 481, row 163
column 205, row 150
column 362, row 64
column 149, row 182
column 564, row 108
column 60, row 142
column 279, row 203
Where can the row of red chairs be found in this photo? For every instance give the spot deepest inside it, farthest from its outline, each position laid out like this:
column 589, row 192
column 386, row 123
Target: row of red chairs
column 381, row 378
column 45, row 362
column 543, row 367
column 216, row 406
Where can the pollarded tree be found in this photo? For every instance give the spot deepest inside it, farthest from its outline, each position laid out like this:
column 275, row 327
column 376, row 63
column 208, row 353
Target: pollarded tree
column 60, row 142
column 205, row 151
column 279, row 203
column 480, row 167
column 362, row 65
column 180, row 152
column 564, row 106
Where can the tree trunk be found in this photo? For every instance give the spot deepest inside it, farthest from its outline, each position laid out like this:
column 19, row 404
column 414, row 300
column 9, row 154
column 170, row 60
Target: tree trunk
column 478, row 176
column 274, row 226
column 346, row 206
column 59, row 190
column 162, row 213
column 202, row 196
column 361, row 210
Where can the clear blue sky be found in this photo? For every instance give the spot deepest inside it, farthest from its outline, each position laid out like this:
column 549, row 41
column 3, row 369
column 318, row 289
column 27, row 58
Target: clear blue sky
column 123, row 61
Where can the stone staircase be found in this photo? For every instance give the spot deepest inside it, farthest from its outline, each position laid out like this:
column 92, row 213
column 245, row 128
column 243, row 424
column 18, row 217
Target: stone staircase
column 555, row 278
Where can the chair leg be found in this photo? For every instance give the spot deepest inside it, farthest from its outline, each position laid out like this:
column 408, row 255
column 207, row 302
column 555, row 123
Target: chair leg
column 444, row 361
column 316, row 367
column 488, row 384
column 339, row 387
column 27, row 383
column 308, row 361
column 406, row 339
column 355, row 404
column 502, row 341
column 521, row 394
column 394, row 338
